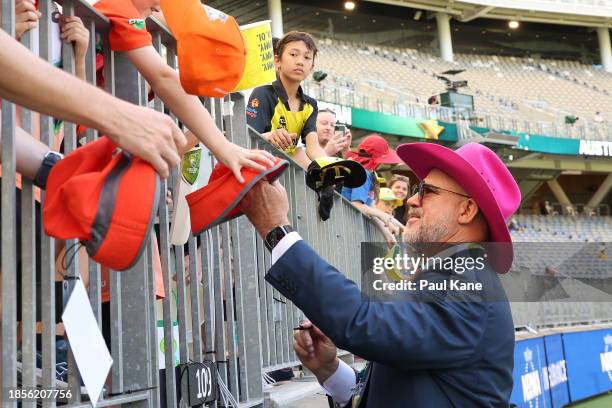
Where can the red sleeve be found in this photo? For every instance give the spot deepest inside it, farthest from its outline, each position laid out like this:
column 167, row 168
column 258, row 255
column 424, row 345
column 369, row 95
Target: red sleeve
column 128, row 29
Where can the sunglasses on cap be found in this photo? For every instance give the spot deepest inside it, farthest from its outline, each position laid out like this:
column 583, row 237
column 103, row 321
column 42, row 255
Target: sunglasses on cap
column 423, row 188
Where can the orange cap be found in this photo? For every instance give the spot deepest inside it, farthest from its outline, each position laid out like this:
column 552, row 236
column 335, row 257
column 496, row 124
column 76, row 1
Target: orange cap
column 104, row 197
column 218, row 200
column 211, row 50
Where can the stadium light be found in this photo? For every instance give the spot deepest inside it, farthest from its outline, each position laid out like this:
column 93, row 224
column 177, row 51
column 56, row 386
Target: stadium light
column 513, row 24
column 349, row 5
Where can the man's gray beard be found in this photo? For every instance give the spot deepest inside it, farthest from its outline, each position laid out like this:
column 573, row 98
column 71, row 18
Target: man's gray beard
column 426, row 233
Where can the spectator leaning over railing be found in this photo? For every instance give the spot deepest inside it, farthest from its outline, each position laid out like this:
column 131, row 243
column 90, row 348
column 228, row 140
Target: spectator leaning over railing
column 333, row 142
column 71, row 31
column 34, row 84
column 387, row 202
column 129, row 34
column 400, row 185
column 372, row 152
column 281, row 112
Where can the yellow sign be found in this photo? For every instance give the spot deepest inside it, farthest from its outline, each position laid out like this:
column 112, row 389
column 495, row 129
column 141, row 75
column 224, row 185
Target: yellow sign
column 259, row 68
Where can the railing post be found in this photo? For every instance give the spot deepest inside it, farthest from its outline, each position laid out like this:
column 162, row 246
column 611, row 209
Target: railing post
column 9, row 229
column 245, row 267
column 47, row 244
column 28, row 261
column 133, row 284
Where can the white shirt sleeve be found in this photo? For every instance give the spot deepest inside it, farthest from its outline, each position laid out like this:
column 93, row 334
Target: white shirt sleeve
column 284, row 244
column 341, row 383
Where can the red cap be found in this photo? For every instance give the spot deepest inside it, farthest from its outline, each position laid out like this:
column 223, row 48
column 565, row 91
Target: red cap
column 104, row 197
column 218, row 200
column 374, row 151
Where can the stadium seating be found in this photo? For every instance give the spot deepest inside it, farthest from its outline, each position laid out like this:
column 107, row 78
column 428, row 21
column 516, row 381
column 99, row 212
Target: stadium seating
column 521, row 93
column 570, row 245
column 559, row 228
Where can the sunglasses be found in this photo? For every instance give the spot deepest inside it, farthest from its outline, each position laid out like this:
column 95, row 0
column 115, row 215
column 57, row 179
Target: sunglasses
column 422, row 188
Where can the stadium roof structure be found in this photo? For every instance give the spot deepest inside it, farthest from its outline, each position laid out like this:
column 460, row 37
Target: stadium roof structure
column 411, row 24
column 576, row 13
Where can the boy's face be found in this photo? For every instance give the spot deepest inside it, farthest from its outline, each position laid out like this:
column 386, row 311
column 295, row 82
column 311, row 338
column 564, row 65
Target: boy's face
column 146, row 7
column 385, row 206
column 296, row 63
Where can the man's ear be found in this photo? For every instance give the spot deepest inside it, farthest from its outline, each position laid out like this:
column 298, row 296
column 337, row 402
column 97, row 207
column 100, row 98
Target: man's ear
column 468, row 211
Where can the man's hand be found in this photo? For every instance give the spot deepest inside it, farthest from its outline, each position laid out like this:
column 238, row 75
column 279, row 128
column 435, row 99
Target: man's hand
column 267, row 206
column 26, row 17
column 316, row 351
column 151, row 135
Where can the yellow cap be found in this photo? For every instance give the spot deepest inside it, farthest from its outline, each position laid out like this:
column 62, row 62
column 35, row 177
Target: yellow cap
column 386, row 194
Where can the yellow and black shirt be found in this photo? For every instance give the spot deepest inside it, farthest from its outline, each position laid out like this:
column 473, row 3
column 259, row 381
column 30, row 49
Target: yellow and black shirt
column 268, row 109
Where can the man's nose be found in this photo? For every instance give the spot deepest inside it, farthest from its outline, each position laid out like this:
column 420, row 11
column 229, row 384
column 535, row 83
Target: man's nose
column 413, row 200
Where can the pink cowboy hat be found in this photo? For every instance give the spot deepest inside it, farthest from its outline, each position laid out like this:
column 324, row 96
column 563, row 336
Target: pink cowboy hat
column 483, row 176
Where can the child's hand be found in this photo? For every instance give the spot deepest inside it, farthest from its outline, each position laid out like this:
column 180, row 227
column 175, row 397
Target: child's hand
column 73, row 30
column 26, row 17
column 281, row 139
column 236, row 157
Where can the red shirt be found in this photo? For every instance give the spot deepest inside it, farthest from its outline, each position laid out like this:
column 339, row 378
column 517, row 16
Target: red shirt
column 128, row 28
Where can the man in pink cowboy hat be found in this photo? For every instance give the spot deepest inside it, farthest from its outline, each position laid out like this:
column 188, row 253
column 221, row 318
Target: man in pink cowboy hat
column 434, row 353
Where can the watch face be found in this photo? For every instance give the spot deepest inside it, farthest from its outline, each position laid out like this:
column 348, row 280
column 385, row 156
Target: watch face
column 276, row 235
column 54, row 155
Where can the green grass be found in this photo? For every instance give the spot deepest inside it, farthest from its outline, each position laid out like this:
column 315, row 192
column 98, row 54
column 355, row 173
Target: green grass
column 604, row 401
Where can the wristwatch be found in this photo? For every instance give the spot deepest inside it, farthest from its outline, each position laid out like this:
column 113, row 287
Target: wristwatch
column 47, row 164
column 274, row 236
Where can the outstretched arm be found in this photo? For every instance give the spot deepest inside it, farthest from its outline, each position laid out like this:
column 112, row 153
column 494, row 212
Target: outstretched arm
column 33, row 83
column 165, row 82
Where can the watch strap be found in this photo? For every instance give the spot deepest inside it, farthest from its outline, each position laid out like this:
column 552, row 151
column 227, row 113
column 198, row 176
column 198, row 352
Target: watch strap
column 50, row 159
column 274, row 236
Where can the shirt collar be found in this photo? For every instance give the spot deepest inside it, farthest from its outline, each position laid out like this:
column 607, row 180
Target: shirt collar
column 282, row 93
column 455, row 249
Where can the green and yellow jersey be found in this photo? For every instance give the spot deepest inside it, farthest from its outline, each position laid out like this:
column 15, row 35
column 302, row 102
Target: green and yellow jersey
column 268, row 110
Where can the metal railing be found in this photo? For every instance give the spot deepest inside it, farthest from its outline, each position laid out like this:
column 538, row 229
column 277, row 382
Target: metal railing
column 230, row 315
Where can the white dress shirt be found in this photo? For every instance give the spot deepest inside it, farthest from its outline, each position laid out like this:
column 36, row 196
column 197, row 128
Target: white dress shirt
column 341, row 383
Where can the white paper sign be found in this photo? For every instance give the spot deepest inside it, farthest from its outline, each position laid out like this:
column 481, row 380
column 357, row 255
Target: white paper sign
column 88, row 347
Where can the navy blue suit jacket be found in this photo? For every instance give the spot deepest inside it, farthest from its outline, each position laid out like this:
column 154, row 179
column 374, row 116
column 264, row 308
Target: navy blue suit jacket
column 422, row 354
